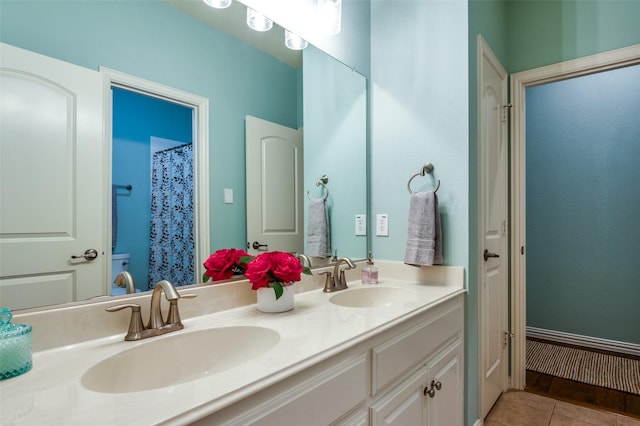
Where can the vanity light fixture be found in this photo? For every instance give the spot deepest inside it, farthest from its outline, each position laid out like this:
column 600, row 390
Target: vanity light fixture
column 330, row 13
column 294, row 41
column 218, row 4
column 257, row 21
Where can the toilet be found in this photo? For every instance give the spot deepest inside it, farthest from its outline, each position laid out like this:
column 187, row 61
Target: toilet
column 119, row 263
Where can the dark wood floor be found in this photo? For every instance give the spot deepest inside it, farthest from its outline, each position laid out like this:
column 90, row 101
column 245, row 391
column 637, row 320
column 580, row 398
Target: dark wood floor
column 584, row 394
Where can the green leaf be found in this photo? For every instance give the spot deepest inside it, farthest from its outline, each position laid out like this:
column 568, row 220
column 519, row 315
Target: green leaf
column 277, row 288
column 306, row 270
column 244, row 260
column 205, row 277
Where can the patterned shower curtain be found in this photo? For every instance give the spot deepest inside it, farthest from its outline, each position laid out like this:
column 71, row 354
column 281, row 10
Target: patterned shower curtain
column 171, row 255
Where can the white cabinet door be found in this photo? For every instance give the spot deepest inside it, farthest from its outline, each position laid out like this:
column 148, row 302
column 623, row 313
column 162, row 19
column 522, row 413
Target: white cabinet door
column 446, row 406
column 404, row 405
column 409, row 404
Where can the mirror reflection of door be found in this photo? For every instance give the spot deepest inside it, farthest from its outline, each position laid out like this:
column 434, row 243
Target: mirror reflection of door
column 50, row 180
column 274, row 202
column 152, row 222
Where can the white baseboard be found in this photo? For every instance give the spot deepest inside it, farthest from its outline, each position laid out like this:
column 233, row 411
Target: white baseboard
column 586, row 341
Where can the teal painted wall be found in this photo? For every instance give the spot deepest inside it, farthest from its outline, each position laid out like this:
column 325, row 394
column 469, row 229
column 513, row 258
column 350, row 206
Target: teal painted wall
column 151, row 40
column 419, row 80
column 582, row 205
column 548, row 32
column 488, row 18
column 337, row 132
column 135, row 119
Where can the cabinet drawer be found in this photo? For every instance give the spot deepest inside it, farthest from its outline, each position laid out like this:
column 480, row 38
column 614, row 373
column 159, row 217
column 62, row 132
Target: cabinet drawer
column 397, row 356
column 319, row 400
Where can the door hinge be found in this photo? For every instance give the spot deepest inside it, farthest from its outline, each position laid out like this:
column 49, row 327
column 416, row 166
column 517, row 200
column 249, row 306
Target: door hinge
column 507, row 336
column 505, row 111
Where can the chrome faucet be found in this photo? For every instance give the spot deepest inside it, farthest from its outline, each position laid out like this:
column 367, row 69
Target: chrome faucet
column 336, row 281
column 156, row 325
column 304, row 260
column 124, row 279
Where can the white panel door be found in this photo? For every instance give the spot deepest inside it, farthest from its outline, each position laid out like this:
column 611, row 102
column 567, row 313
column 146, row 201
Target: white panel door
column 274, row 187
column 51, row 180
column 492, row 170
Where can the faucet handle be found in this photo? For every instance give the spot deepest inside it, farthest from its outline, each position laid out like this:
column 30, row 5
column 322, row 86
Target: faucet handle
column 136, row 327
column 173, row 317
column 328, row 281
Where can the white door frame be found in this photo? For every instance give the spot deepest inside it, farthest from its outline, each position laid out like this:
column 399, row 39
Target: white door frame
column 519, row 82
column 200, row 106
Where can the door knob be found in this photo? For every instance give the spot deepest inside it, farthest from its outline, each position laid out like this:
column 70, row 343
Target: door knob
column 90, row 254
column 257, row 246
column 488, row 254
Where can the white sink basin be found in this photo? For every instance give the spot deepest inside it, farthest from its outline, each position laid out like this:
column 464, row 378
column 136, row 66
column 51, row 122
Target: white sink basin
column 178, row 358
column 369, row 297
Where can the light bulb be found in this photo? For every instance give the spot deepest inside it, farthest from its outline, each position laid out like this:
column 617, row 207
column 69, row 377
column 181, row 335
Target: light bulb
column 330, row 14
column 294, row 41
column 218, row 4
column 257, row 21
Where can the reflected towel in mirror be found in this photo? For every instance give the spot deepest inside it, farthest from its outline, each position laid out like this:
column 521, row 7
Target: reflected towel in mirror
column 318, row 231
column 424, row 236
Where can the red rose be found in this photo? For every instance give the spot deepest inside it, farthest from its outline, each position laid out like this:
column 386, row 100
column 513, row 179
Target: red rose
column 287, row 267
column 259, row 271
column 273, row 266
column 219, row 266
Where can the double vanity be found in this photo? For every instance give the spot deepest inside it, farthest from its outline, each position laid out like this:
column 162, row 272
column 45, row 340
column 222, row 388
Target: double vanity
column 390, row 353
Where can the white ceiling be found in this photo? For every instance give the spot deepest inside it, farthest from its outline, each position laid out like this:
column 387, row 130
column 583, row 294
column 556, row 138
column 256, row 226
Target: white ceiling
column 233, row 21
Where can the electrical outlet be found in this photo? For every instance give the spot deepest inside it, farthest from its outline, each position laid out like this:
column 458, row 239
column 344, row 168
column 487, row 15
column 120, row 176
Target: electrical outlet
column 361, row 224
column 228, row 196
column 382, row 225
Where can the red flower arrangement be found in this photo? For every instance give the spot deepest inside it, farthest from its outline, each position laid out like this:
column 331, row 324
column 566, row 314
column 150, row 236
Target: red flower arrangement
column 224, row 263
column 274, row 269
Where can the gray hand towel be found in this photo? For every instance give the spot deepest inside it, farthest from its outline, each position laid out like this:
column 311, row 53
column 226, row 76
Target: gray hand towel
column 318, row 232
column 424, row 236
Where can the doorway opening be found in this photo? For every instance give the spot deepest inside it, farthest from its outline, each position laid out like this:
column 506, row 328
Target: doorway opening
column 152, row 189
column 519, row 83
column 157, row 146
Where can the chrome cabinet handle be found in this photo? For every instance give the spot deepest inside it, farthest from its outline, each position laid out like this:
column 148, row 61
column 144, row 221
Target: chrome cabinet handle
column 90, row 254
column 257, row 246
column 488, row 254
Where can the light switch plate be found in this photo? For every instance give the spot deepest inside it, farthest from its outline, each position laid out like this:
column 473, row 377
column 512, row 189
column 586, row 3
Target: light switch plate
column 361, row 224
column 228, row 196
column 382, row 225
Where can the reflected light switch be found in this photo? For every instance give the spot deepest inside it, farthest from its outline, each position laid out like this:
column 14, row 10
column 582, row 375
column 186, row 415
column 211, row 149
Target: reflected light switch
column 228, row 196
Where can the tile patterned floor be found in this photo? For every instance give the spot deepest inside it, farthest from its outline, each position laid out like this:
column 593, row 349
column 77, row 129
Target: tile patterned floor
column 519, row 408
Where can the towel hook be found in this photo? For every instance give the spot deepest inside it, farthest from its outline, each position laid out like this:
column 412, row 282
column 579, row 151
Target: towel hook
column 322, row 181
column 427, row 168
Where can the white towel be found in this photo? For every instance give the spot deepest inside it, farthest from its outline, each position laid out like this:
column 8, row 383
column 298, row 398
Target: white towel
column 424, row 236
column 318, row 232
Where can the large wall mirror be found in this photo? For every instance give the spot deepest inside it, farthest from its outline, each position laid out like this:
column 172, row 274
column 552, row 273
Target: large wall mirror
column 175, row 43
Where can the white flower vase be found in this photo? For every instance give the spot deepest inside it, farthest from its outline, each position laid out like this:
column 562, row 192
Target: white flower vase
column 267, row 299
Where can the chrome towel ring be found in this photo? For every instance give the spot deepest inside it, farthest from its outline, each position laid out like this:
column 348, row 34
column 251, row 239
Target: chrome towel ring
column 427, row 168
column 322, row 181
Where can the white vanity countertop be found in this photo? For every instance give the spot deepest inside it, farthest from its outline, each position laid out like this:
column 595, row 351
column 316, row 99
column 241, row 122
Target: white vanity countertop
column 51, row 393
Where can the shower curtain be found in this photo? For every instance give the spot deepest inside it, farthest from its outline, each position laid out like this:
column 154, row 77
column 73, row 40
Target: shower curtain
column 171, row 254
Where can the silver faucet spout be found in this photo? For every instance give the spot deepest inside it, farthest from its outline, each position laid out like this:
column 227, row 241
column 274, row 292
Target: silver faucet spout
column 170, row 293
column 304, row 260
column 124, row 279
column 339, row 280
